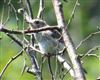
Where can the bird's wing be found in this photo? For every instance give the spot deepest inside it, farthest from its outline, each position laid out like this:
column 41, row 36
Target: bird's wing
column 54, row 34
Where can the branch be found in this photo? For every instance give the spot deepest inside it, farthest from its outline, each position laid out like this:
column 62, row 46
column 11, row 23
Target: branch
column 15, row 39
column 2, row 29
column 79, row 75
column 87, row 38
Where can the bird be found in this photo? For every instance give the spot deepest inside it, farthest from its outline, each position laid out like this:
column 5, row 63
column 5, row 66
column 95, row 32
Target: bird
column 48, row 43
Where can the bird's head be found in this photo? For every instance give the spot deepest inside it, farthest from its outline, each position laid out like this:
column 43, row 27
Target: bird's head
column 38, row 23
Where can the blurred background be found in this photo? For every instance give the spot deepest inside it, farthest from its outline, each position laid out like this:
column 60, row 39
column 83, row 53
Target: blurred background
column 86, row 20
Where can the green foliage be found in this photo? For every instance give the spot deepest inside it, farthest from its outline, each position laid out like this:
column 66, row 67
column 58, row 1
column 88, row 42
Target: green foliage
column 86, row 19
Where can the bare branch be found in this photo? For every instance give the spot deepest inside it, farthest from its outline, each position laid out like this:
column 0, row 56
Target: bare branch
column 88, row 53
column 87, row 38
column 79, row 75
column 95, row 55
column 27, row 31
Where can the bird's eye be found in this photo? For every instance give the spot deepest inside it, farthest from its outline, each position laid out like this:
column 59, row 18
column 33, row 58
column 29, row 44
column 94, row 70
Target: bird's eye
column 37, row 22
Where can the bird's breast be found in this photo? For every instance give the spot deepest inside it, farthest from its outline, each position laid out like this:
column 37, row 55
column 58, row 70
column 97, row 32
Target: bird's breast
column 47, row 44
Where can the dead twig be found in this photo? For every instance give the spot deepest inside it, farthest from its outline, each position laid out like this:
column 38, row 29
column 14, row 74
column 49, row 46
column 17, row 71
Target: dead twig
column 9, row 62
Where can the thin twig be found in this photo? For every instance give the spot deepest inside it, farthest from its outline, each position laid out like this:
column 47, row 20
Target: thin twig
column 8, row 17
column 95, row 55
column 50, row 68
column 56, row 67
column 43, row 60
column 72, row 14
column 87, row 38
column 29, row 8
column 2, row 15
column 24, row 67
column 15, row 11
column 41, row 9
column 65, row 74
column 9, row 62
column 65, row 64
